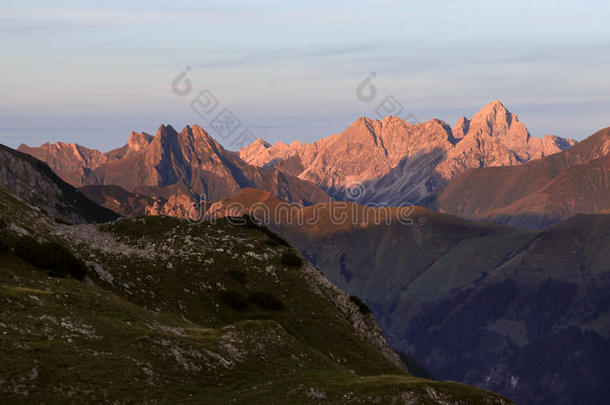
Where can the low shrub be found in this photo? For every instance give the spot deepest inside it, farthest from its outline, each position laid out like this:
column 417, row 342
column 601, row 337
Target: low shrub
column 3, row 245
column 239, row 276
column 50, row 256
column 273, row 238
column 291, row 258
column 233, row 299
column 266, row 300
column 362, row 307
column 151, row 226
column 62, row 221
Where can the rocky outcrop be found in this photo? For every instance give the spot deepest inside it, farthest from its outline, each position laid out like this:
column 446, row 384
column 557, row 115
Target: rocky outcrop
column 35, row 183
column 180, row 205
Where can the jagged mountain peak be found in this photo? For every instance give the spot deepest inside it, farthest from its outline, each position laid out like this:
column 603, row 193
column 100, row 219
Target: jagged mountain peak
column 166, row 130
column 494, row 108
column 261, row 142
column 493, row 119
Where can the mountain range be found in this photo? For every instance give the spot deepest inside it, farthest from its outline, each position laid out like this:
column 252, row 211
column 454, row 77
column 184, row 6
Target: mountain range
column 392, row 161
column 488, row 168
column 401, row 163
column 187, row 163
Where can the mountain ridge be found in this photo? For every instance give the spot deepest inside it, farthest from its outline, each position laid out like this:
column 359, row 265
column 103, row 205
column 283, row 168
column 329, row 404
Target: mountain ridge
column 379, row 153
column 535, row 194
column 395, row 161
column 189, row 162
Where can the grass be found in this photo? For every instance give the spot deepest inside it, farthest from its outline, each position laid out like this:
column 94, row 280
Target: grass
column 228, row 321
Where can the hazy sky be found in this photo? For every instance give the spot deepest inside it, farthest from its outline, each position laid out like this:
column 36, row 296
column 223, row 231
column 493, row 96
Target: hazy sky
column 89, row 72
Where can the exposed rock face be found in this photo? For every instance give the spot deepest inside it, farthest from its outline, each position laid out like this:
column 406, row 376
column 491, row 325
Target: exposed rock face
column 35, row 183
column 190, row 161
column 535, row 194
column 178, row 205
column 399, row 162
column 135, row 204
column 523, row 313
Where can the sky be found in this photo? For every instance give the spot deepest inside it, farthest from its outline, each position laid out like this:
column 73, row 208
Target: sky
column 90, row 72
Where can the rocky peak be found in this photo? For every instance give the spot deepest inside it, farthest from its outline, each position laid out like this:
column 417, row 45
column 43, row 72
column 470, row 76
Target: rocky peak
column 493, row 120
column 260, row 142
column 461, row 128
column 258, row 149
column 138, row 140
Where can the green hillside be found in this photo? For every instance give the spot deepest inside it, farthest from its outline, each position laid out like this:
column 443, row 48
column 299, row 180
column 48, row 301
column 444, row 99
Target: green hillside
column 170, row 312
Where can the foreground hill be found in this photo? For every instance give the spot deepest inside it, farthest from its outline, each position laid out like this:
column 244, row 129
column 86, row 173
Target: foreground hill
column 399, row 162
column 171, row 163
column 535, row 194
column 523, row 313
column 158, row 310
column 35, row 183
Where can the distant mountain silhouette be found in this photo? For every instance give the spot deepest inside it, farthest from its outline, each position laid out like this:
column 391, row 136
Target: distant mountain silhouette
column 36, row 184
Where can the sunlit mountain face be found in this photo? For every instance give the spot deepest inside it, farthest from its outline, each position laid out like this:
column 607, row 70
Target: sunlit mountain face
column 389, row 202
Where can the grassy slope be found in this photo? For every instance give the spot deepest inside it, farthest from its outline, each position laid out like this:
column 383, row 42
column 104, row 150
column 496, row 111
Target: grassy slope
column 149, row 326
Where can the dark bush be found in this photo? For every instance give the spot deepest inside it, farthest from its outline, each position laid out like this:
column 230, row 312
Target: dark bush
column 274, row 238
column 250, row 222
column 362, row 307
column 291, row 258
column 3, row 245
column 233, row 299
column 239, row 276
column 266, row 300
column 62, row 221
column 50, row 256
column 151, row 226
